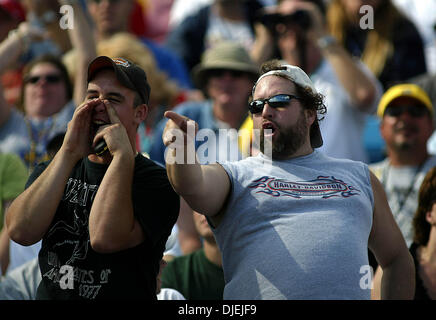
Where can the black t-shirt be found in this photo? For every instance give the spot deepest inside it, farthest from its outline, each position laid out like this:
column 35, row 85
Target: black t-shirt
column 71, row 269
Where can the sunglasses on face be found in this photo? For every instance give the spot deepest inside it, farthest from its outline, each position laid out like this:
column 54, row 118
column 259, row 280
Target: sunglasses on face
column 414, row 111
column 280, row 100
column 221, row 72
column 49, row 78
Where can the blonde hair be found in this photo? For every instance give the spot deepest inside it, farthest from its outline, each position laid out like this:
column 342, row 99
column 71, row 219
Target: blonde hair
column 163, row 91
column 126, row 45
column 379, row 46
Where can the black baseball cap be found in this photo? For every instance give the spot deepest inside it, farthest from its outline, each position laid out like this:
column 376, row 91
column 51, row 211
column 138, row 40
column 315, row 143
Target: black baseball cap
column 129, row 74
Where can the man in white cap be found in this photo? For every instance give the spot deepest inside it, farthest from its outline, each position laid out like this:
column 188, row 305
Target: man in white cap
column 296, row 224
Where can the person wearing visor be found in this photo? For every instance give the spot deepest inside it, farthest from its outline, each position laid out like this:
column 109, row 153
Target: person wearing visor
column 291, row 222
column 406, row 114
column 104, row 216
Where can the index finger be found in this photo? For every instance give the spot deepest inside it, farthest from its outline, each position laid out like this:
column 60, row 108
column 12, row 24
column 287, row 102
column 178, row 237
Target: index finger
column 178, row 119
column 113, row 116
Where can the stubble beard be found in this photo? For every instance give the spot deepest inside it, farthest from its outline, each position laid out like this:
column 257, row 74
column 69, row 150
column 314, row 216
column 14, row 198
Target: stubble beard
column 288, row 141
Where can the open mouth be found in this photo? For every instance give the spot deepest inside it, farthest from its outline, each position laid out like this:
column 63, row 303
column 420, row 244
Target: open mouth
column 268, row 129
column 97, row 124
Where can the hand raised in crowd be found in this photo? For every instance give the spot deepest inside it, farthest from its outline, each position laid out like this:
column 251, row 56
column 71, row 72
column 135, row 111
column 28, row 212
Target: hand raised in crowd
column 112, row 131
column 77, row 141
column 179, row 134
column 312, row 12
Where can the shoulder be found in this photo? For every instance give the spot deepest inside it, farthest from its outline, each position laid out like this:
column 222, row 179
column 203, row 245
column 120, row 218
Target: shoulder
column 148, row 169
column 378, row 168
column 323, row 158
column 150, row 175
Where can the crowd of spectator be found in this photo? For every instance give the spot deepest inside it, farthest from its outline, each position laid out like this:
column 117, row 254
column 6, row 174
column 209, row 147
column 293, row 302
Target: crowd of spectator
column 202, row 58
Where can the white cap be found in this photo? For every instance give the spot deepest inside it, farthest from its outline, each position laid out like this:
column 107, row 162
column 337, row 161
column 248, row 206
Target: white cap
column 293, row 73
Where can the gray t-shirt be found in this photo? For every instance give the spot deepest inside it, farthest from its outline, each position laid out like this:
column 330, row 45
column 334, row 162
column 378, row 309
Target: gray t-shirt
column 296, row 229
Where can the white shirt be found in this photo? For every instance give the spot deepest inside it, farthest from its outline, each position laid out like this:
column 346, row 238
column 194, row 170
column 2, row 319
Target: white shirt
column 343, row 126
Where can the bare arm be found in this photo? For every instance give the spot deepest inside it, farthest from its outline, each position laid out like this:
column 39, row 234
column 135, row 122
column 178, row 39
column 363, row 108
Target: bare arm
column 204, row 187
column 112, row 224
column 359, row 85
column 390, row 249
column 82, row 39
column 16, row 44
column 31, row 213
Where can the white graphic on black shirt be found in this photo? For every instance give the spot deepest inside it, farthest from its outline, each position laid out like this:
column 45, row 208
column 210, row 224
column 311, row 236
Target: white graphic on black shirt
column 72, row 235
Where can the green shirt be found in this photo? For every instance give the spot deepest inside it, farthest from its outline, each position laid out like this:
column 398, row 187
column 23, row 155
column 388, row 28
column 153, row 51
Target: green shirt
column 195, row 277
column 13, row 177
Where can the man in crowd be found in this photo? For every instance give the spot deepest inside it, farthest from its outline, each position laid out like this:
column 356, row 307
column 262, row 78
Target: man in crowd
column 292, row 223
column 104, row 215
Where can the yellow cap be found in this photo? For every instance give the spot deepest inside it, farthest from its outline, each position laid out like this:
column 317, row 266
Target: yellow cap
column 404, row 90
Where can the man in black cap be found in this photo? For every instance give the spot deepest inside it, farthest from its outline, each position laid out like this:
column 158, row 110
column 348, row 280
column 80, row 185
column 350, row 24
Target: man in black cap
column 99, row 214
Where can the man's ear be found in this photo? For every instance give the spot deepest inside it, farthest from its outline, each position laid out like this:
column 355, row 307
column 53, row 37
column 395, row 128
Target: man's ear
column 310, row 116
column 141, row 112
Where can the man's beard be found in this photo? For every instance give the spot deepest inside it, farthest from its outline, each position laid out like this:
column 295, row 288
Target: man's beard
column 287, row 142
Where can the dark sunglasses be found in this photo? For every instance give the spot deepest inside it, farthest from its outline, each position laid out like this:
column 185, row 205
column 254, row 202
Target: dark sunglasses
column 280, row 100
column 415, row 111
column 49, row 78
column 221, row 72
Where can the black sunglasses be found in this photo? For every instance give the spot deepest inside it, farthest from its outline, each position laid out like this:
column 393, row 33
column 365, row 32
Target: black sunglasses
column 221, row 72
column 416, row 111
column 49, row 78
column 280, row 100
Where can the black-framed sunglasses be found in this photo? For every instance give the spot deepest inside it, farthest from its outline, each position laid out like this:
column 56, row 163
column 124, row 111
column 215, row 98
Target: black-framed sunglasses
column 221, row 72
column 49, row 78
column 416, row 111
column 277, row 101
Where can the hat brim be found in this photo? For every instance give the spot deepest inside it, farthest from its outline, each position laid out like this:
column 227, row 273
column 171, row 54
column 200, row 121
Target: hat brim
column 404, row 90
column 315, row 135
